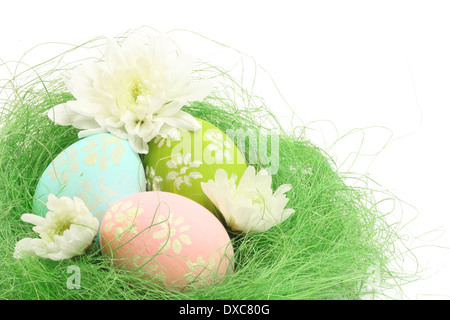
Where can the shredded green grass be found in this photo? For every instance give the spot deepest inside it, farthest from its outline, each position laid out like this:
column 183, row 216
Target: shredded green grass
column 337, row 244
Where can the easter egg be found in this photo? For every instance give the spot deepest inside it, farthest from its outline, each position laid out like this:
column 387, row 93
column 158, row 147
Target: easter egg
column 167, row 238
column 99, row 169
column 180, row 166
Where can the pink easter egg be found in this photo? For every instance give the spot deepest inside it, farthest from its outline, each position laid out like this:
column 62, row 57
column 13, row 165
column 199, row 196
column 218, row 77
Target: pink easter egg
column 168, row 238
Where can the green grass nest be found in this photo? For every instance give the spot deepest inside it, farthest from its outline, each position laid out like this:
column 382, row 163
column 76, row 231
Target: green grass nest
column 336, row 245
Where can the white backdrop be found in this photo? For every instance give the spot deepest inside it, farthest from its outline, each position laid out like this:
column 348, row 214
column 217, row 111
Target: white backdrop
column 354, row 63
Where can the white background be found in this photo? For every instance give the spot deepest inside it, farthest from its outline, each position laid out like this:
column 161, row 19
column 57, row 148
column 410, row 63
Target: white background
column 355, row 64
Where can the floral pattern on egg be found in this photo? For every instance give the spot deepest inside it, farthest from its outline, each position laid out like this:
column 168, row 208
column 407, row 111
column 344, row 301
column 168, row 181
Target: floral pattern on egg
column 172, row 234
column 124, row 219
column 166, row 238
column 182, row 170
column 180, row 165
column 220, row 146
column 197, row 270
column 99, row 169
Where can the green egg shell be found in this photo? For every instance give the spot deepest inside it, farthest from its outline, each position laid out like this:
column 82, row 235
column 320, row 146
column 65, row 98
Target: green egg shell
column 180, row 166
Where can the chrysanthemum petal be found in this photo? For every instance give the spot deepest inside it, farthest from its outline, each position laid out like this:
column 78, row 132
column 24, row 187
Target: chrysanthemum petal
column 282, row 190
column 138, row 144
column 27, row 247
column 182, row 120
column 251, row 206
column 61, row 114
column 67, row 230
column 136, row 93
column 33, row 219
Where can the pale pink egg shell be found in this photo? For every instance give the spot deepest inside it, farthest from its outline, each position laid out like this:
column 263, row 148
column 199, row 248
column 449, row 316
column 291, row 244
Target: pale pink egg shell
column 168, row 236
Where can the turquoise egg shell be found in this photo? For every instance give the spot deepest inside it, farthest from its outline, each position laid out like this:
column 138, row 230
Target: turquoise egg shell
column 99, row 169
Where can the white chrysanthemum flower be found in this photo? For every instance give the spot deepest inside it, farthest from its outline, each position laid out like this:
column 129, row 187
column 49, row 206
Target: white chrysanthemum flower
column 137, row 93
column 67, row 230
column 251, row 206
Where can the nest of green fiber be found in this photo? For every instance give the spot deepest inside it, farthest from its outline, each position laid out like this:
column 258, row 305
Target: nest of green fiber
column 337, row 244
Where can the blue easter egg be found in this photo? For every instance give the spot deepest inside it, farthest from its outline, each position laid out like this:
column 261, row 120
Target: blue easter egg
column 99, row 169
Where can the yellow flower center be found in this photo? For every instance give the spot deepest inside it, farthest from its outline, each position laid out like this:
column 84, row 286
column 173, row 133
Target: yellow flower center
column 127, row 97
column 135, row 90
column 60, row 223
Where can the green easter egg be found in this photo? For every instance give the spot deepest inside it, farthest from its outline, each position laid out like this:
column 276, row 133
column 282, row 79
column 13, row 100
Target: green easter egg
column 179, row 166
